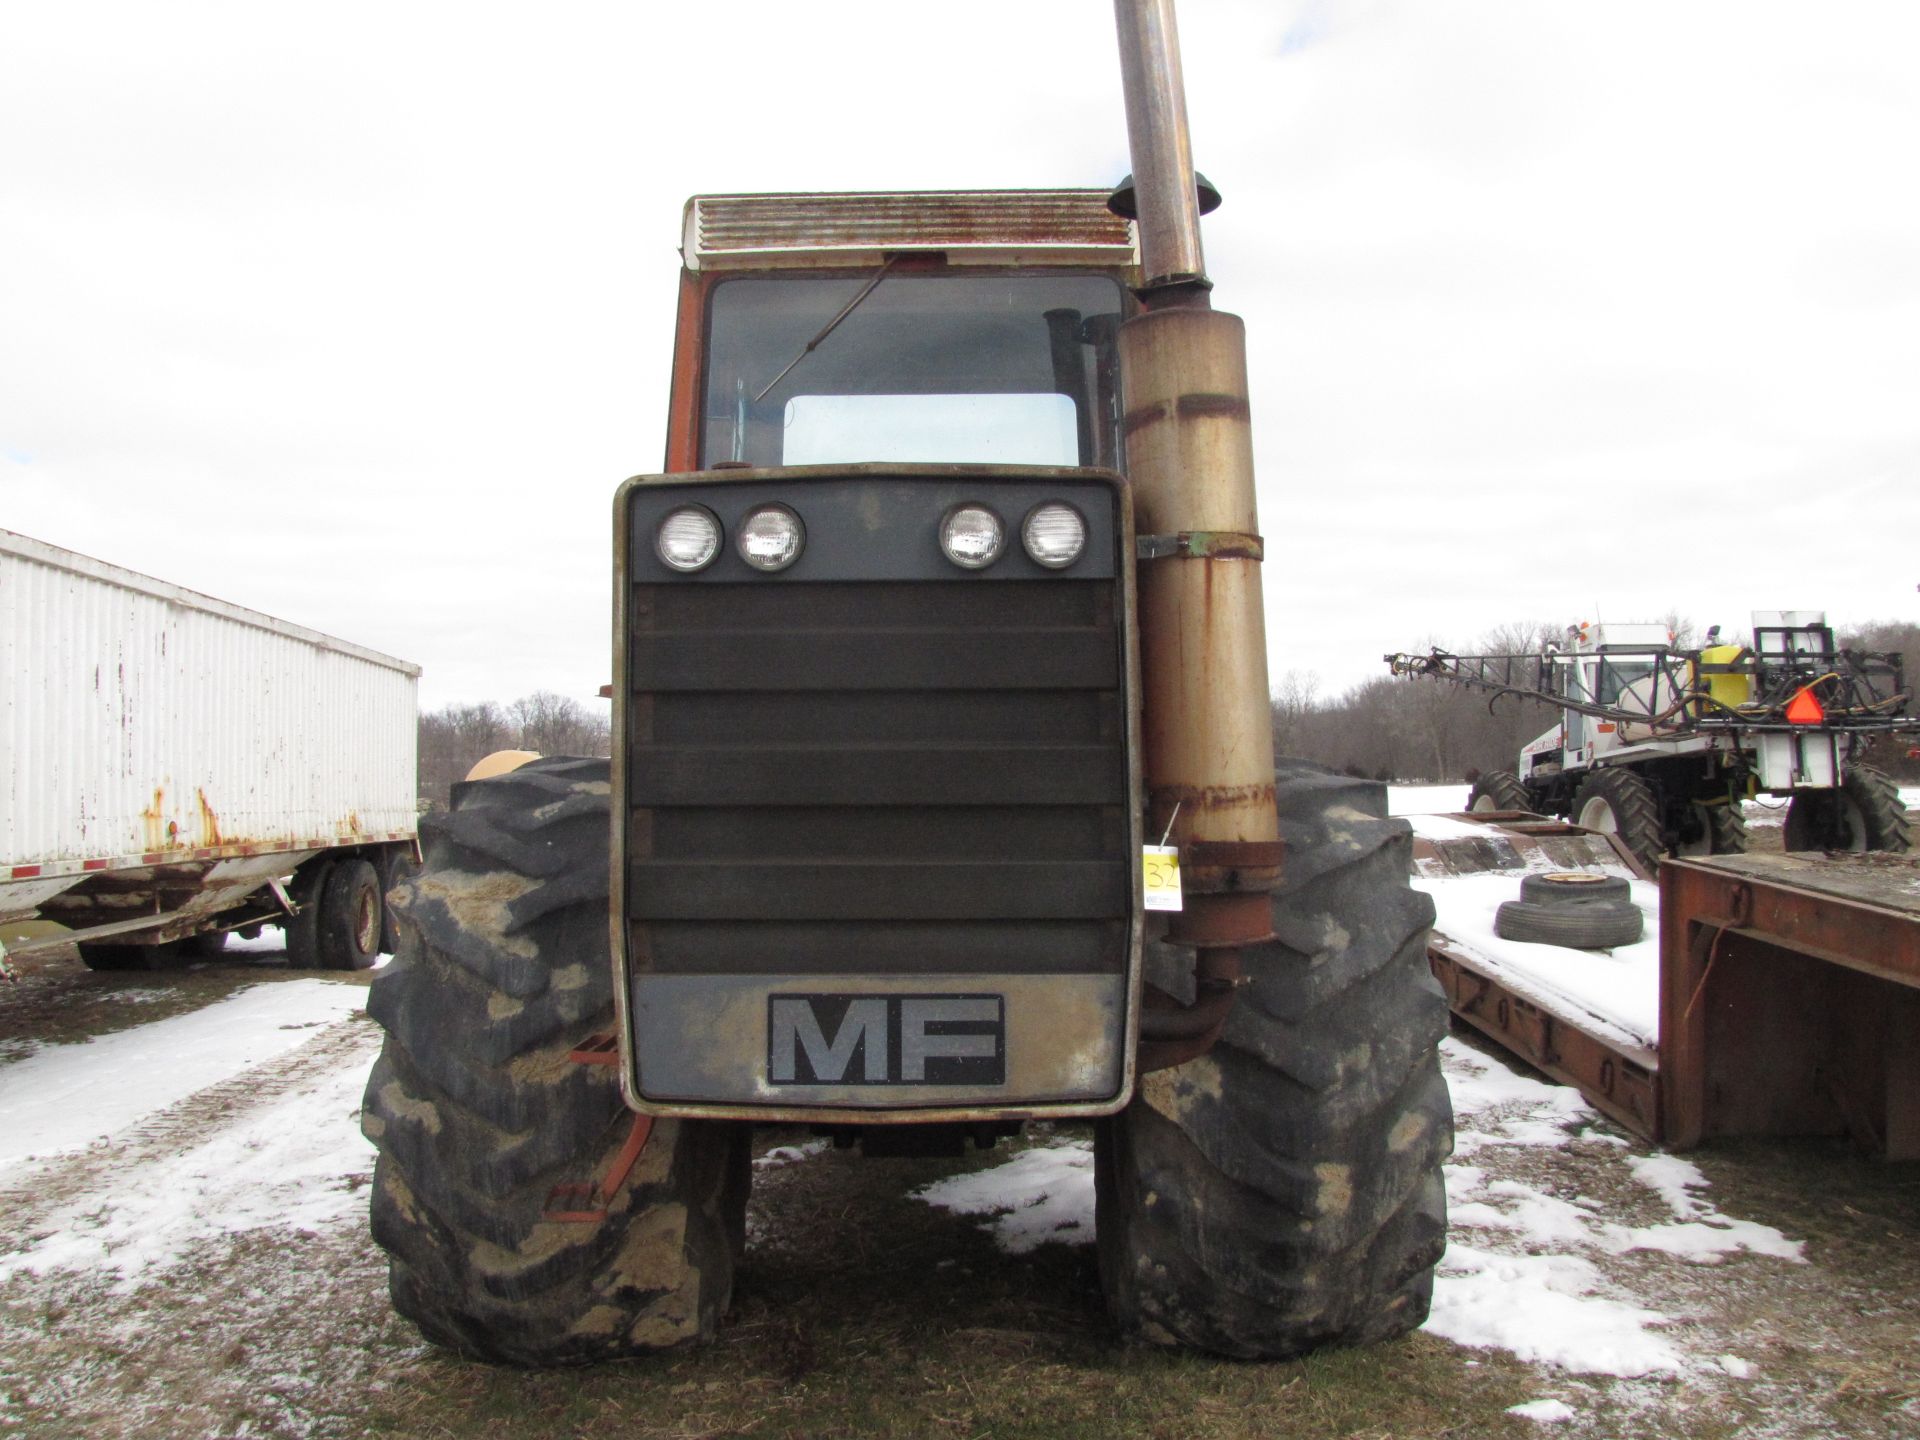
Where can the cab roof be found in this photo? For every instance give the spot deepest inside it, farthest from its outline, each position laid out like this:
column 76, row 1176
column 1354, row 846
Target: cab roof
column 977, row 227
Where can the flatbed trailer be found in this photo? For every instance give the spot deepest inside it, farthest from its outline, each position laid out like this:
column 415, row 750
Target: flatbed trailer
column 1788, row 992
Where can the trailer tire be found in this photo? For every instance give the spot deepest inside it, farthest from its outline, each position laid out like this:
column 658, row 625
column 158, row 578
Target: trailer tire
column 478, row 1112
column 397, row 866
column 1499, row 790
column 1618, row 802
column 1864, row 813
column 308, row 893
column 350, row 917
column 1573, row 887
column 1589, row 925
column 108, row 955
column 1283, row 1192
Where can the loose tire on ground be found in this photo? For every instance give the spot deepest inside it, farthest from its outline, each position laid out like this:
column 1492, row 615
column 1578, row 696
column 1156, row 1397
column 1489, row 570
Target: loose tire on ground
column 1499, row 790
column 1865, row 813
column 1619, row 802
column 1589, row 925
column 477, row 1112
column 351, row 913
column 1283, row 1192
column 1572, row 887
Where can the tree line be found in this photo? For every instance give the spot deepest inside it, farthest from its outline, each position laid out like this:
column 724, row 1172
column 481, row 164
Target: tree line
column 1384, row 728
column 1424, row 730
column 453, row 737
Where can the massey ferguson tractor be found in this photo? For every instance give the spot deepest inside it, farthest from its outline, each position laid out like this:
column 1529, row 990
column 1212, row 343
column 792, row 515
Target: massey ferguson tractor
column 1660, row 745
column 942, row 799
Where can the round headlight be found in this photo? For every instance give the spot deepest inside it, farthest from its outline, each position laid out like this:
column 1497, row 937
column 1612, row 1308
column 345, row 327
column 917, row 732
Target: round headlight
column 688, row 538
column 770, row 538
column 972, row 536
column 1054, row 535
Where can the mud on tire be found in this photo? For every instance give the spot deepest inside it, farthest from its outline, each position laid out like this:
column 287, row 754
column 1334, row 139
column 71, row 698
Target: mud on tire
column 1284, row 1191
column 478, row 1113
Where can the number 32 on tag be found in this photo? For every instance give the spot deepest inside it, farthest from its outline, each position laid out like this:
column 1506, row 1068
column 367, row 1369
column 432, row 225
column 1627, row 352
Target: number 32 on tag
column 1160, row 870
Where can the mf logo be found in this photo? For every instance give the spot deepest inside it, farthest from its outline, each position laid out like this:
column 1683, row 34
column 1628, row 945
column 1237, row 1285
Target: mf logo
column 886, row 1040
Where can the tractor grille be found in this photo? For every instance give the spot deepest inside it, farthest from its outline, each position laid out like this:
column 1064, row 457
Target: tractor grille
column 897, row 776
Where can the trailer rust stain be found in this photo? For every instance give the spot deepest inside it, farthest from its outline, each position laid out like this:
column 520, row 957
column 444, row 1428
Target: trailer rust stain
column 209, row 822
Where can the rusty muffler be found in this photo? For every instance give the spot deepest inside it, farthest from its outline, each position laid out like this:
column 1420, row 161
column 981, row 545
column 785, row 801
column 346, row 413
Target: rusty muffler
column 1207, row 728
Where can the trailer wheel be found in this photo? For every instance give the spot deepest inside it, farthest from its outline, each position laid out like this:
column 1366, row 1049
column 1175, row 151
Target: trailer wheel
column 1498, row 790
column 1864, row 813
column 350, row 916
column 397, row 866
column 1283, row 1192
column 478, row 1113
column 104, row 955
column 308, row 893
column 1619, row 802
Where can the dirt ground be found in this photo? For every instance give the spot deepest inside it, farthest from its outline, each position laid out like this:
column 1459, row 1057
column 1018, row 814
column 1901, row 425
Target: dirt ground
column 861, row 1311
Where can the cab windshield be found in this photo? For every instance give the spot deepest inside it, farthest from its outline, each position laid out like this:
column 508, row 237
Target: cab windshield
column 1004, row 369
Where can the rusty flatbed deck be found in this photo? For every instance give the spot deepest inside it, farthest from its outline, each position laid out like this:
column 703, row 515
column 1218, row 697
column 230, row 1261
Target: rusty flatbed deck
column 1789, row 992
column 1790, row 998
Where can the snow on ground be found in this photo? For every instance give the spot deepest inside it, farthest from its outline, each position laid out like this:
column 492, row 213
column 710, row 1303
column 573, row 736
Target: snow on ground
column 62, row 1097
column 1426, row 799
column 1039, row 1195
column 1525, row 1271
column 297, row 1164
column 1619, row 987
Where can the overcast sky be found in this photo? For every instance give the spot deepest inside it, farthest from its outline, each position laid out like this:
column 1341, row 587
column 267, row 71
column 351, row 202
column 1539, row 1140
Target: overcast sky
column 357, row 313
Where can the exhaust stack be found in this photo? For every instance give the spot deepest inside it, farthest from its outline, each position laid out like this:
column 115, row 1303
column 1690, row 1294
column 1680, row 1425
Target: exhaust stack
column 1208, row 736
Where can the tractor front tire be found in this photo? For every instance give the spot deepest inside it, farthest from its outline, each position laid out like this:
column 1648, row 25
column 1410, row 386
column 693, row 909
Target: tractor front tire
column 1727, row 826
column 1283, row 1192
column 1499, row 790
column 479, row 1114
column 1619, row 802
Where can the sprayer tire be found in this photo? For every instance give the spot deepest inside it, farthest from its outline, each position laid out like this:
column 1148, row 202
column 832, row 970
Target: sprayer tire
column 1283, row 1192
column 1619, row 802
column 1865, row 813
column 1727, row 825
column 478, row 1113
column 1499, row 790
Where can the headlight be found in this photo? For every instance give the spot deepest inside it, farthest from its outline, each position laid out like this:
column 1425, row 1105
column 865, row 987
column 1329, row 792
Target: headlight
column 770, row 538
column 688, row 538
column 972, row 536
column 1054, row 535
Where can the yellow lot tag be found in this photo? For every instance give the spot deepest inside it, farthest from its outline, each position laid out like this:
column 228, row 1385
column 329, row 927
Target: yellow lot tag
column 1160, row 866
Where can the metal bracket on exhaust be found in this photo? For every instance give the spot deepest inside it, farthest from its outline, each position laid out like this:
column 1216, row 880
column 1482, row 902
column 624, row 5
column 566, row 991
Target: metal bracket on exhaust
column 1201, row 545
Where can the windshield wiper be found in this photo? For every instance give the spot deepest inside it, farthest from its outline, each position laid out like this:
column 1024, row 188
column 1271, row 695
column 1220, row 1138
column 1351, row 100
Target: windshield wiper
column 828, row 329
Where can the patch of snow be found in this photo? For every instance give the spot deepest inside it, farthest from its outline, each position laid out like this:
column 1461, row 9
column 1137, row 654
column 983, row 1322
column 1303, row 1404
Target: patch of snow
column 1426, row 799
column 298, row 1164
column 1546, row 1309
column 63, row 1097
column 1040, row 1195
column 271, row 940
column 1506, row 1108
column 1736, row 1367
column 1546, row 1412
column 1441, row 827
column 784, row 1155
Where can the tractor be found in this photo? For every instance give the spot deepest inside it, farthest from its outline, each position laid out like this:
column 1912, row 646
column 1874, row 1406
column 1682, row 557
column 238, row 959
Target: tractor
column 941, row 801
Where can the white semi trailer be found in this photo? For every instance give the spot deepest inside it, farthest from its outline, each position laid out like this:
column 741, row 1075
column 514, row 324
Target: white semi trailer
column 173, row 768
